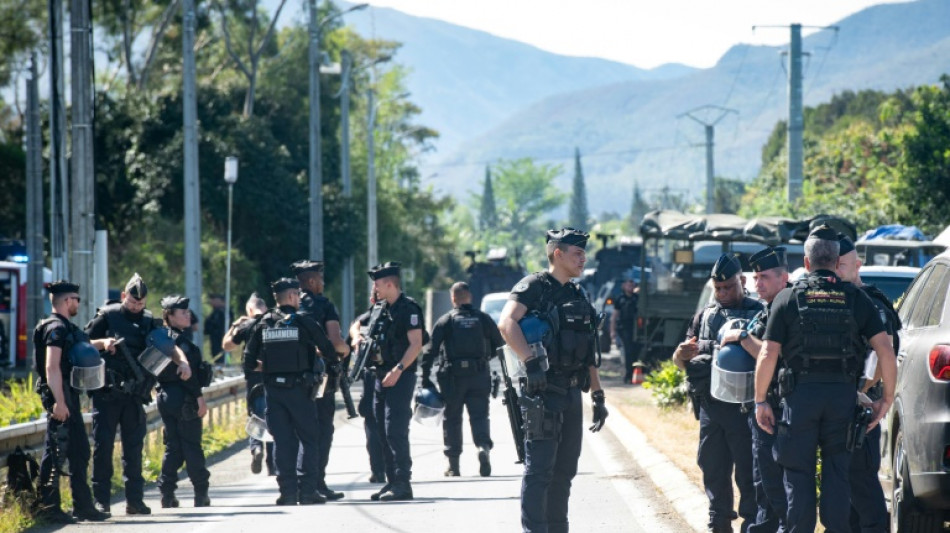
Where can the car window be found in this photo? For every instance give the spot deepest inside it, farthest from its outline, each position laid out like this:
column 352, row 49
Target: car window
column 940, row 298
column 910, row 301
column 921, row 313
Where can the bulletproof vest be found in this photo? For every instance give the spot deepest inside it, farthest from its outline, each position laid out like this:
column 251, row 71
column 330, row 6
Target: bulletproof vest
column 715, row 316
column 315, row 305
column 394, row 346
column 573, row 319
column 73, row 335
column 888, row 314
column 133, row 331
column 829, row 340
column 282, row 351
column 466, row 336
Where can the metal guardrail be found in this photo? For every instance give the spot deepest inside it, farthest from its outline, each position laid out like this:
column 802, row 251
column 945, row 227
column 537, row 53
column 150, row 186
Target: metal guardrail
column 30, row 435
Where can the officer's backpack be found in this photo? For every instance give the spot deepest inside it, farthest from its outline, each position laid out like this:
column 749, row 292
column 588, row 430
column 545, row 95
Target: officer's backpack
column 22, row 471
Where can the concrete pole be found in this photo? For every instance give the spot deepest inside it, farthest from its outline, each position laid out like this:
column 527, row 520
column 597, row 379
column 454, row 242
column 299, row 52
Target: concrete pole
column 82, row 164
column 100, row 292
column 192, row 187
column 710, row 172
column 34, row 208
column 372, row 258
column 316, row 165
column 227, row 276
column 347, row 60
column 58, row 181
column 796, row 119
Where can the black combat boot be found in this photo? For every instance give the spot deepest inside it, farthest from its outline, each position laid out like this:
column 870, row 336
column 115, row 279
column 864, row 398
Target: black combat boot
column 201, row 497
column 137, row 508
column 375, row 496
column 257, row 459
column 313, row 498
column 89, row 514
column 54, row 515
column 329, row 493
column 484, row 465
column 169, row 501
column 453, row 469
column 400, row 491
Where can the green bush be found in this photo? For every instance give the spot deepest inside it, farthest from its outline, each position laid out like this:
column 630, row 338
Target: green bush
column 19, row 402
column 668, row 386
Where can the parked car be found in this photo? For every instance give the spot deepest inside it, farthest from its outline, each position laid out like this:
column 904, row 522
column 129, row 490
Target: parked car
column 915, row 441
column 893, row 281
column 493, row 303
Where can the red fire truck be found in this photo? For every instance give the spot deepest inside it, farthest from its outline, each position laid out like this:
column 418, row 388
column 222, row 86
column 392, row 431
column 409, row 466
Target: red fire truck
column 13, row 312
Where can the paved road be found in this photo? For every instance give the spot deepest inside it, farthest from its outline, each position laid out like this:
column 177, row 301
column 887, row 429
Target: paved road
column 610, row 493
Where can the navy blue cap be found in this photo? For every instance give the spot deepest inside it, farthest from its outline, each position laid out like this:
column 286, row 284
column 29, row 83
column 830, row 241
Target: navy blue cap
column 62, row 287
column 769, row 258
column 571, row 236
column 305, row 265
column 824, row 232
column 175, row 301
column 136, row 287
column 725, row 268
column 389, row 268
column 845, row 245
column 284, row 284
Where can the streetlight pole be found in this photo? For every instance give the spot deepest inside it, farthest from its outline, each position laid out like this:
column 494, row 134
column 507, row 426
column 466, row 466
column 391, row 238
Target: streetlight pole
column 230, row 176
column 371, row 252
column 316, row 164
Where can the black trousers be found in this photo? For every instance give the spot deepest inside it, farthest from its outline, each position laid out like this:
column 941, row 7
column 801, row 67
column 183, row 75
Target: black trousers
column 769, row 481
column 182, row 437
column 112, row 411
column 868, row 508
column 292, row 420
column 725, row 442
column 393, row 407
column 460, row 393
column 629, row 354
column 77, row 453
column 374, row 443
column 326, row 410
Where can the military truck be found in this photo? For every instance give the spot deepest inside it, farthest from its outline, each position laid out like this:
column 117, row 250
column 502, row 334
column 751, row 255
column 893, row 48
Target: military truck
column 497, row 273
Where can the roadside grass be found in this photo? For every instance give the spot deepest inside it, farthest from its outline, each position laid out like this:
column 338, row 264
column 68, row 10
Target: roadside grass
column 19, row 402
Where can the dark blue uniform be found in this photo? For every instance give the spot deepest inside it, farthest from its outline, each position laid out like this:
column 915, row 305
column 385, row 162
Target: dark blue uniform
column 374, row 442
column 284, row 342
column 393, row 405
column 59, row 332
column 551, row 456
column 767, row 475
column 256, row 404
column 626, row 306
column 819, row 324
column 178, row 407
column 725, row 441
column 120, row 404
column 868, row 507
column 463, row 340
column 321, row 310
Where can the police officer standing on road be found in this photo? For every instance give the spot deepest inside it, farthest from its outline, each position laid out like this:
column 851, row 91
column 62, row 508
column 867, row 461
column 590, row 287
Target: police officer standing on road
column 771, row 276
column 53, row 340
column 238, row 334
column 318, row 307
column 868, row 507
column 819, row 329
column 283, row 346
column 396, row 379
column 623, row 324
column 182, row 406
column 463, row 340
column 724, row 436
column 119, row 404
column 374, row 443
column 551, row 399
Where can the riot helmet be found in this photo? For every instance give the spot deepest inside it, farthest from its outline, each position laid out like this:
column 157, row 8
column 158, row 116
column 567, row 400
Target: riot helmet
column 256, row 428
column 158, row 352
column 429, row 407
column 537, row 332
column 88, row 368
column 733, row 369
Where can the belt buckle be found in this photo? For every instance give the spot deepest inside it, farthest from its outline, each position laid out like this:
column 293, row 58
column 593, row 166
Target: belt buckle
column 280, row 379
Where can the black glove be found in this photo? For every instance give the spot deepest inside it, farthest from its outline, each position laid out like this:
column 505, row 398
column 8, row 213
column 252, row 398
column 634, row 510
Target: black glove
column 537, row 381
column 600, row 410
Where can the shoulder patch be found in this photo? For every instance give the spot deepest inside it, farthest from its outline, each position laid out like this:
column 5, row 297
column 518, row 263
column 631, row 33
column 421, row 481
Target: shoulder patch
column 520, row 287
column 414, row 319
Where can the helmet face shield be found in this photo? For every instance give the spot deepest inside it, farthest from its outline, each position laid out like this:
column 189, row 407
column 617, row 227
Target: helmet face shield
column 88, row 378
column 256, row 428
column 154, row 361
column 429, row 408
column 732, row 387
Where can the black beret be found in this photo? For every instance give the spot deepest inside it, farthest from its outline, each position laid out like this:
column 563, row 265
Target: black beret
column 175, row 301
column 845, row 245
column 570, row 236
column 768, row 259
column 823, row 232
column 725, row 268
column 136, row 287
column 305, row 265
column 284, row 284
column 62, row 287
column 389, row 268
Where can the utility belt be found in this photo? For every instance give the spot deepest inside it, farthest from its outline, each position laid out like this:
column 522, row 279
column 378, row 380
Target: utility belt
column 117, row 384
column 789, row 379
column 461, row 368
column 285, row 381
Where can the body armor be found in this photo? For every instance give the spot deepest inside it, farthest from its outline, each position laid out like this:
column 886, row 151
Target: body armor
column 829, row 338
column 282, row 351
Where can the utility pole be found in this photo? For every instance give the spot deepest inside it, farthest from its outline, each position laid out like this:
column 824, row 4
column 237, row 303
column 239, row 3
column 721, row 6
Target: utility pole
column 710, row 128
column 82, row 165
column 192, row 187
column 34, row 207
column 316, row 165
column 58, row 179
column 347, row 60
column 372, row 252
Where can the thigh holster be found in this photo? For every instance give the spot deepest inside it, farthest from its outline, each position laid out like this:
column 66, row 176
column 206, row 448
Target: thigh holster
column 539, row 423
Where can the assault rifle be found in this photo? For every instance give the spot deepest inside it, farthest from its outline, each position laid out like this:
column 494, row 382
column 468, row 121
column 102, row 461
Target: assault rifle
column 510, row 401
column 370, row 337
column 345, row 383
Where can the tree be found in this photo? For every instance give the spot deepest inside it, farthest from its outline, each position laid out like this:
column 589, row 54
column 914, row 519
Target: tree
column 125, row 21
column 488, row 216
column 577, row 214
column 727, row 195
column 526, row 195
column 638, row 207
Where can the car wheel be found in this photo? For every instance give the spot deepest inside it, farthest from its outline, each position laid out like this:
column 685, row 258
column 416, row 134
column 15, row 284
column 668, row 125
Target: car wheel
column 906, row 515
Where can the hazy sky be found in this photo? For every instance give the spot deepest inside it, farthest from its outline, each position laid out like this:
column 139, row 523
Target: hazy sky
column 645, row 33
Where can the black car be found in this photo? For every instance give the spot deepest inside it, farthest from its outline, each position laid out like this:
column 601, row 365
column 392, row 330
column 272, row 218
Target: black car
column 915, row 467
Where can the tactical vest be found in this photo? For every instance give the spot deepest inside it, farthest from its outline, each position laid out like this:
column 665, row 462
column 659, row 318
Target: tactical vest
column 73, row 335
column 134, row 332
column 829, row 341
column 282, row 351
column 315, row 305
column 466, row 336
column 888, row 315
column 715, row 316
column 572, row 319
column 394, row 347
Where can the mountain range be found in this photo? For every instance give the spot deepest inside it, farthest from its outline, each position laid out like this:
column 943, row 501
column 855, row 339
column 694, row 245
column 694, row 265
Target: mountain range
column 496, row 98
